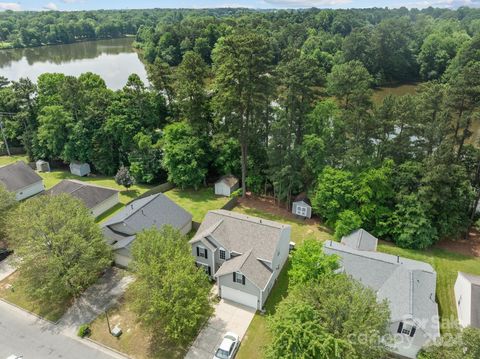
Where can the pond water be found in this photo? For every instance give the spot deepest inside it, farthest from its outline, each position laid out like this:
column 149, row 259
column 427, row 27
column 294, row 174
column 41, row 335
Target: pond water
column 114, row 60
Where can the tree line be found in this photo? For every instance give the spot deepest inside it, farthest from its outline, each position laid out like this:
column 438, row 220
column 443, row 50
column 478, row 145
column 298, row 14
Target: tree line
column 405, row 169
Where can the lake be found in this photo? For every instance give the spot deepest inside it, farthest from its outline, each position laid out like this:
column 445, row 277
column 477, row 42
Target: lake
column 114, row 60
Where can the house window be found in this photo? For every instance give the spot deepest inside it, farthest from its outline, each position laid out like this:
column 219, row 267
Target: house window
column 206, row 268
column 202, row 252
column 406, row 329
column 301, row 211
column 222, row 254
column 238, row 278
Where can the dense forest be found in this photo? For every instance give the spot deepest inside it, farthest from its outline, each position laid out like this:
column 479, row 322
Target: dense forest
column 283, row 99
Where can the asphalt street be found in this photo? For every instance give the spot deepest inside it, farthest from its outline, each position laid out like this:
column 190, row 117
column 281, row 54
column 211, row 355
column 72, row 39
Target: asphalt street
column 33, row 338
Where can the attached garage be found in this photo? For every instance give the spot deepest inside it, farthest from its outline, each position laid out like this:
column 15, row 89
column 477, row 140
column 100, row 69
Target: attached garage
column 240, row 297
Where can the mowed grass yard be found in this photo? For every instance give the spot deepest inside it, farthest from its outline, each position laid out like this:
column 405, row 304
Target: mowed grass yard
column 198, row 202
column 13, row 292
column 136, row 341
column 446, row 264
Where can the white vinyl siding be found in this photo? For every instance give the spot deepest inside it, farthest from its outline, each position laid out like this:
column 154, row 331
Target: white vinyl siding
column 105, row 205
column 29, row 191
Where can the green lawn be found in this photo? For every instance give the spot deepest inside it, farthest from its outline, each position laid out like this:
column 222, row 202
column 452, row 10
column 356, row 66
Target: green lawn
column 199, row 202
column 13, row 292
column 135, row 341
column 5, row 160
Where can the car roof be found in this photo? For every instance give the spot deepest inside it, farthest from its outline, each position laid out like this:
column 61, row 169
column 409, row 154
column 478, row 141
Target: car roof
column 226, row 344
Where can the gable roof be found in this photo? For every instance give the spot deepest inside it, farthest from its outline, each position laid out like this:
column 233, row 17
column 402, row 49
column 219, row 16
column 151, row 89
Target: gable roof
column 256, row 272
column 89, row 194
column 408, row 285
column 229, row 180
column 302, row 197
column 474, row 298
column 156, row 210
column 361, row 240
column 18, row 175
column 241, row 233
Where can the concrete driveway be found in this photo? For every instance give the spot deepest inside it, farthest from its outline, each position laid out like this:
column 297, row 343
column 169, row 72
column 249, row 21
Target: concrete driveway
column 228, row 317
column 94, row 301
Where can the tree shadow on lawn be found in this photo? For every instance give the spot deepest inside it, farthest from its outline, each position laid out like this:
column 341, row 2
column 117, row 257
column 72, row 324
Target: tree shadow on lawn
column 162, row 348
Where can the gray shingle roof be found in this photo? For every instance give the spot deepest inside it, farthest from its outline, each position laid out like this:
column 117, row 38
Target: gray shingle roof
column 153, row 211
column 474, row 298
column 361, row 240
column 241, row 233
column 89, row 194
column 229, row 180
column 256, row 272
column 408, row 285
column 18, row 175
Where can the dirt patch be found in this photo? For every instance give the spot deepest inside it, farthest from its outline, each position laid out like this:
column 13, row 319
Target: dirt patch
column 468, row 247
column 267, row 204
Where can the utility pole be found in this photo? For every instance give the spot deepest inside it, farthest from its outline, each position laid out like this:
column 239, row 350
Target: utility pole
column 108, row 323
column 3, row 131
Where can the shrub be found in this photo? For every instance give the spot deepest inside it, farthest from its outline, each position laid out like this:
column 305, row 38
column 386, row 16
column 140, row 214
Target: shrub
column 84, row 331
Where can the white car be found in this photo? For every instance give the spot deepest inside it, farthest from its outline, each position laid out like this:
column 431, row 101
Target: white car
column 13, row 356
column 229, row 346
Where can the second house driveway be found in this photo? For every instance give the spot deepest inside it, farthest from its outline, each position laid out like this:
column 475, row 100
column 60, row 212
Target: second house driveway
column 228, row 317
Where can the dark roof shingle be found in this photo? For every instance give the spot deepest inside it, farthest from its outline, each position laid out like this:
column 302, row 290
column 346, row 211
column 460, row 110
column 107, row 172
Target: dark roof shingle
column 18, row 175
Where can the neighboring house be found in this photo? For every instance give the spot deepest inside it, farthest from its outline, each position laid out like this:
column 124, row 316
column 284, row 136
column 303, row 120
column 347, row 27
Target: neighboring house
column 19, row 178
column 409, row 287
column 226, row 185
column 301, row 206
column 243, row 254
column 153, row 211
column 361, row 240
column 97, row 199
column 467, row 296
column 79, row 169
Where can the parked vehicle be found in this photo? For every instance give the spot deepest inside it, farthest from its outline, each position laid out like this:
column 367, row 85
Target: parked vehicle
column 228, row 347
column 13, row 356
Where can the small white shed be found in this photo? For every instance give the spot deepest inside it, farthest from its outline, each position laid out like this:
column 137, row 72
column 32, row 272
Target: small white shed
column 42, row 166
column 226, row 185
column 79, row 169
column 301, row 206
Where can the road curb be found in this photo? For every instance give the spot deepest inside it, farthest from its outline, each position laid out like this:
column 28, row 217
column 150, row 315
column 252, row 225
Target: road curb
column 107, row 347
column 29, row 312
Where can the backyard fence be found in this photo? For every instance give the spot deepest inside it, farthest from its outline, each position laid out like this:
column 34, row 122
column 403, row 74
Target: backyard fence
column 164, row 187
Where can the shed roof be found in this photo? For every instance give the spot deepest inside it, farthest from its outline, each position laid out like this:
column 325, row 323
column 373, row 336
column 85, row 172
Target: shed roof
column 229, row 180
column 18, row 175
column 89, row 194
column 302, row 197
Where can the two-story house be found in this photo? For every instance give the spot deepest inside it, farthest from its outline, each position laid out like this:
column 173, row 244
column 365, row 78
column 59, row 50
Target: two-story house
column 244, row 254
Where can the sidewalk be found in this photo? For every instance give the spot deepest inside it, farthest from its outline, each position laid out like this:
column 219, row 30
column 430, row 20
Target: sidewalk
column 6, row 268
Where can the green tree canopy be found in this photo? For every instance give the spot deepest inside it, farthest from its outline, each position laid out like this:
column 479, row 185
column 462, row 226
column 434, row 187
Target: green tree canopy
column 171, row 293
column 61, row 249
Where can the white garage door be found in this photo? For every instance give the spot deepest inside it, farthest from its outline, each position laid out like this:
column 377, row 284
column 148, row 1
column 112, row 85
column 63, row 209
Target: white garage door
column 240, row 297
